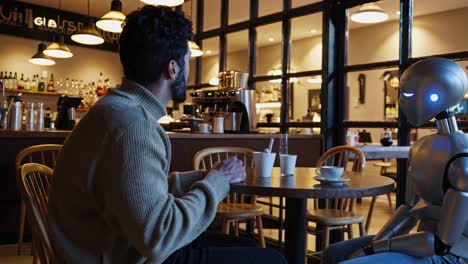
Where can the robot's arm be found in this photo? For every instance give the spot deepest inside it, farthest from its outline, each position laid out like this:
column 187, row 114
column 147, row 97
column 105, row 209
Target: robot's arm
column 400, row 223
column 455, row 204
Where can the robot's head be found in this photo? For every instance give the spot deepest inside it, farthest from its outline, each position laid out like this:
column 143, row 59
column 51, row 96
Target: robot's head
column 429, row 87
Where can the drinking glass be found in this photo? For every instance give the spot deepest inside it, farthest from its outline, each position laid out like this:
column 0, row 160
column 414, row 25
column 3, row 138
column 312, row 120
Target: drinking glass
column 283, row 147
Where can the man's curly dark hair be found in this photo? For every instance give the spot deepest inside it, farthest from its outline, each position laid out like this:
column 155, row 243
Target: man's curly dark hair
column 151, row 38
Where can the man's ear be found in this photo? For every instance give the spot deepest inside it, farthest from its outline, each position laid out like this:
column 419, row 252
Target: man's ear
column 173, row 70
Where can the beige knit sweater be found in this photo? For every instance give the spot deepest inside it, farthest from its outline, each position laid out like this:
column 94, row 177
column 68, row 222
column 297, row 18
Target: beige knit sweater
column 112, row 200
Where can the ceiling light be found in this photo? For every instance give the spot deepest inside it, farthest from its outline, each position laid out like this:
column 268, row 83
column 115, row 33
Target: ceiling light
column 40, row 58
column 369, row 13
column 195, row 49
column 58, row 49
column 208, row 52
column 88, row 35
column 313, row 31
column 163, row 2
column 271, row 39
column 112, row 20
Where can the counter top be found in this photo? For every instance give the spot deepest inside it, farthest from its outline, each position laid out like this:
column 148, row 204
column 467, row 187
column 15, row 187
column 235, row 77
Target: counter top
column 65, row 133
column 380, row 152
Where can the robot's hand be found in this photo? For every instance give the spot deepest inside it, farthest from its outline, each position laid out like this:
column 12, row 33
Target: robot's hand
column 367, row 250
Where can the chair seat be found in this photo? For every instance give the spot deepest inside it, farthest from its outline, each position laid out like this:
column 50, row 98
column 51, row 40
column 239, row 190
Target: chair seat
column 239, row 210
column 333, row 217
column 383, row 164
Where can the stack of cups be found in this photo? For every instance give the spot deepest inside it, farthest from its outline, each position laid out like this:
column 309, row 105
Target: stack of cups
column 30, row 120
column 287, row 161
column 40, row 116
column 263, row 162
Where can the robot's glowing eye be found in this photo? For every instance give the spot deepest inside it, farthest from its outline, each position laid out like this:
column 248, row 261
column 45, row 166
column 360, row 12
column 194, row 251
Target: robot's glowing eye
column 408, row 94
column 434, row 97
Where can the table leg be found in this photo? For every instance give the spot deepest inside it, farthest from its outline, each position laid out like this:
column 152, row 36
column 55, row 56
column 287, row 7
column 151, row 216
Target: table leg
column 296, row 236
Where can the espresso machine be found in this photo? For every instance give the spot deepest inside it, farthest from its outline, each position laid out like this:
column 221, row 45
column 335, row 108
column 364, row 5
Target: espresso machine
column 231, row 99
column 66, row 110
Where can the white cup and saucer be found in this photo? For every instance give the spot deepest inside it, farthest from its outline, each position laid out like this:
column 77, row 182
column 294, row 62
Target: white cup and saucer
column 330, row 175
column 204, row 128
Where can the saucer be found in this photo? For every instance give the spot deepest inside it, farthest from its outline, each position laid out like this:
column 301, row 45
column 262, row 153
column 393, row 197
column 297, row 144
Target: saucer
column 200, row 132
column 337, row 182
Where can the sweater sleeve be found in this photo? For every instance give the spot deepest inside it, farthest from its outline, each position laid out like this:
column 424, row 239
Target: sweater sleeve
column 180, row 182
column 137, row 196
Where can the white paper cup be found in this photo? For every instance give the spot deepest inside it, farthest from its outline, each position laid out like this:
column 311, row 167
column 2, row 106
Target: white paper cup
column 263, row 162
column 287, row 164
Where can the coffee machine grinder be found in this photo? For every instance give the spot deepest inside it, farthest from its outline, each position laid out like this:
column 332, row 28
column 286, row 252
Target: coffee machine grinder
column 232, row 99
column 66, row 110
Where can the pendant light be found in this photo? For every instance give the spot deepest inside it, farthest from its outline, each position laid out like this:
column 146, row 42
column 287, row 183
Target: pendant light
column 40, row 58
column 193, row 46
column 58, row 49
column 163, row 2
column 369, row 13
column 88, row 35
column 112, row 20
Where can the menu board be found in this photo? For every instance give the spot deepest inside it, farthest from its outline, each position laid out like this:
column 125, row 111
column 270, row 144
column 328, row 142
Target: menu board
column 42, row 23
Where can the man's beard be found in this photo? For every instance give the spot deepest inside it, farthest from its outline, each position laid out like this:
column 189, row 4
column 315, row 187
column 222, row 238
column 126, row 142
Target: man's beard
column 179, row 87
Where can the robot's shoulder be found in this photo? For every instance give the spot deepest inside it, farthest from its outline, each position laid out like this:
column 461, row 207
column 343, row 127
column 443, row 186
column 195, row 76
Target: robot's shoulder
column 456, row 172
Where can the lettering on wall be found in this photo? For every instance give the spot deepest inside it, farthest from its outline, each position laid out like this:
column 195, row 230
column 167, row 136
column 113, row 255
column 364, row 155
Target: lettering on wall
column 42, row 23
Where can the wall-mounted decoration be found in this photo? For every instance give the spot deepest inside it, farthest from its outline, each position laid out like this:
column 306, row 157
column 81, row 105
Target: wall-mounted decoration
column 42, row 23
column 391, row 83
column 362, row 88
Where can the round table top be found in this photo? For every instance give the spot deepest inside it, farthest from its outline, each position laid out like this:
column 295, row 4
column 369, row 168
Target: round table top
column 303, row 185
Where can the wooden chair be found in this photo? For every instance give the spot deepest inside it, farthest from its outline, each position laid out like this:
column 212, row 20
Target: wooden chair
column 340, row 213
column 235, row 208
column 46, row 154
column 34, row 181
column 384, row 166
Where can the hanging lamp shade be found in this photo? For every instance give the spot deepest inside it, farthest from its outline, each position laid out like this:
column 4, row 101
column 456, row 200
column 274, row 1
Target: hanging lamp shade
column 369, row 13
column 40, row 58
column 195, row 49
column 88, row 35
column 163, row 2
column 112, row 20
column 58, row 49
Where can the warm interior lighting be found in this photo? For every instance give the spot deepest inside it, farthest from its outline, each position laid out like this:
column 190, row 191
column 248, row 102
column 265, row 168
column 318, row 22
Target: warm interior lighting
column 280, row 72
column 163, row 2
column 369, row 13
column 214, row 81
column 271, row 39
column 195, row 49
column 313, row 31
column 112, row 20
column 88, row 35
column 58, row 49
column 40, row 58
column 208, row 52
column 316, row 79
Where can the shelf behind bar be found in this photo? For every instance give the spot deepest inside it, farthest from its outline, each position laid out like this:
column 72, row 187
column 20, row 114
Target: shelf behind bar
column 32, row 92
column 384, row 124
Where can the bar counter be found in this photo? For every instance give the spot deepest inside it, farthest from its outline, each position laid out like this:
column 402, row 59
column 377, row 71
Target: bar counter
column 184, row 146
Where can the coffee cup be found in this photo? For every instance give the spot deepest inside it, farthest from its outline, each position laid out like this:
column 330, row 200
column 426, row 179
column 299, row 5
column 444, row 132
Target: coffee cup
column 287, row 164
column 204, row 128
column 330, row 172
column 263, row 162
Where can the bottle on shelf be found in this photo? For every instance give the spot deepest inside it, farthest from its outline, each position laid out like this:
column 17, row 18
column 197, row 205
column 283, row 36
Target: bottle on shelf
column 34, row 84
column 41, row 85
column 51, row 84
column 106, row 85
column 99, row 88
column 15, row 81
column 10, row 81
column 21, row 83
column 27, row 84
column 67, row 87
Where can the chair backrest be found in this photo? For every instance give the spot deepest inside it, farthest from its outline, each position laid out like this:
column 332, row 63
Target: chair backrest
column 45, row 154
column 206, row 158
column 341, row 156
column 34, row 181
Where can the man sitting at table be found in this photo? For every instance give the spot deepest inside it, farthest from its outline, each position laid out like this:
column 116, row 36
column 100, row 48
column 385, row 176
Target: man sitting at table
column 111, row 199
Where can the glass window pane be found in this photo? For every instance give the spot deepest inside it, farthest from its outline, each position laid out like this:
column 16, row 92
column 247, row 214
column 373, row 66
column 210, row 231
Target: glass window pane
column 239, row 11
column 374, row 42
column 266, row 7
column 306, row 43
column 269, row 49
column 461, row 110
column 211, row 14
column 237, row 54
column 268, row 96
column 305, row 100
column 296, row 3
column 210, row 61
column 190, row 10
column 438, row 27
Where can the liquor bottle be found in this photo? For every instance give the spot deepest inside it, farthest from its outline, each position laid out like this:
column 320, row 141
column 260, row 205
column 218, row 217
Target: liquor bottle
column 106, row 85
column 27, row 84
column 10, row 81
column 34, row 84
column 15, row 81
column 41, row 85
column 67, row 87
column 51, row 84
column 99, row 89
column 21, row 82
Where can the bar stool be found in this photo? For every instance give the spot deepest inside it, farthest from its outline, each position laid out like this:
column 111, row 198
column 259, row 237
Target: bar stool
column 384, row 166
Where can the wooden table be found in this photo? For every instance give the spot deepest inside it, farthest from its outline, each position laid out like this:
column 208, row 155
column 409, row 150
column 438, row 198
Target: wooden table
column 380, row 152
column 301, row 186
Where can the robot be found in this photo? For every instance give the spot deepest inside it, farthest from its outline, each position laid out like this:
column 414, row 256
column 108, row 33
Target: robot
column 437, row 195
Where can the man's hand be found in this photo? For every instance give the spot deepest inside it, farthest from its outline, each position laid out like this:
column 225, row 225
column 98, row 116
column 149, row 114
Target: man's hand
column 232, row 168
